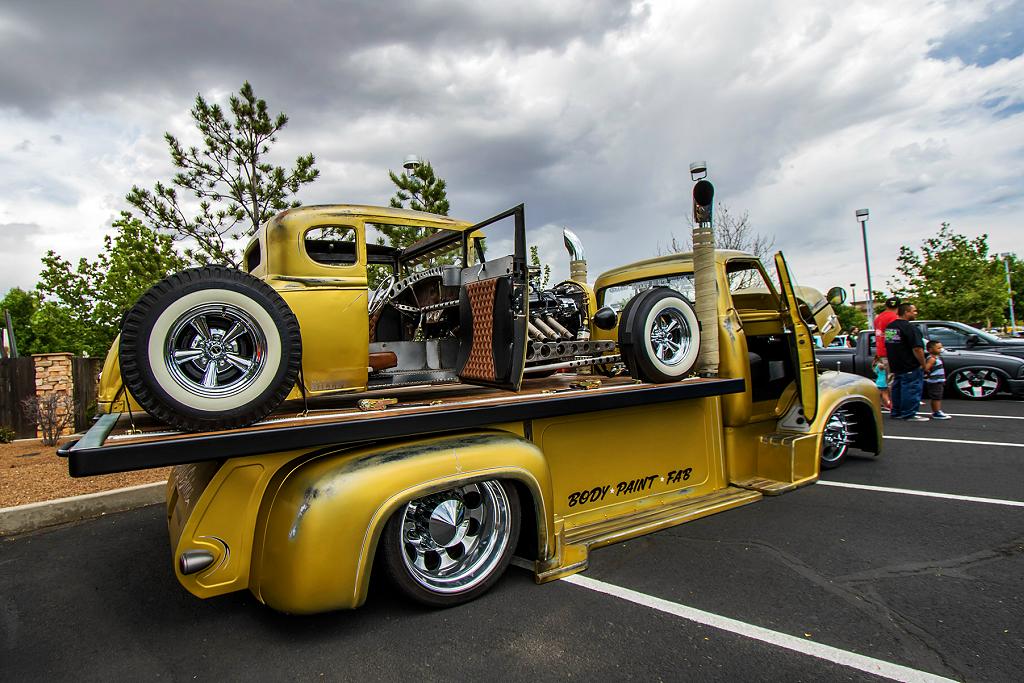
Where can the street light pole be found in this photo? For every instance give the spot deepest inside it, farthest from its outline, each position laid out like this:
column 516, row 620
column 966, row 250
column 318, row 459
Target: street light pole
column 862, row 216
column 1009, row 291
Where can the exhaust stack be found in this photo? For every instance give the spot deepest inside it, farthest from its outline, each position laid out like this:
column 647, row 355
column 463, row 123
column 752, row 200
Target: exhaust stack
column 577, row 257
column 706, row 292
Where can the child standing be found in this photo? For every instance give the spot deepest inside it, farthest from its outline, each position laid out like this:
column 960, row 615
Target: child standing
column 881, row 381
column 935, row 379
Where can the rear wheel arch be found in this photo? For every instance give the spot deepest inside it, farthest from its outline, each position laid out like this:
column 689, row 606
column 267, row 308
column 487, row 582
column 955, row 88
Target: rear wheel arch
column 532, row 524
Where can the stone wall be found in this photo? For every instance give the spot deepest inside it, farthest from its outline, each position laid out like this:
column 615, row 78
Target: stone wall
column 53, row 375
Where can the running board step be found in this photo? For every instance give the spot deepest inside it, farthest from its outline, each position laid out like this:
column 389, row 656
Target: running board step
column 575, row 542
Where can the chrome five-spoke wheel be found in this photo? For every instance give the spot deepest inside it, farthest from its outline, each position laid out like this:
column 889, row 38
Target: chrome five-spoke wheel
column 448, row 547
column 836, row 438
column 670, row 336
column 976, row 383
column 215, row 350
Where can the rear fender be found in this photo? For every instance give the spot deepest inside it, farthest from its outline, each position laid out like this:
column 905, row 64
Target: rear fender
column 318, row 529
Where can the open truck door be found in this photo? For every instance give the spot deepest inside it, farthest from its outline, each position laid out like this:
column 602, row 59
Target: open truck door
column 802, row 343
column 493, row 308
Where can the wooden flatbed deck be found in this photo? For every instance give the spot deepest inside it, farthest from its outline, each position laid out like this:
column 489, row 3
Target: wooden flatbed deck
column 112, row 445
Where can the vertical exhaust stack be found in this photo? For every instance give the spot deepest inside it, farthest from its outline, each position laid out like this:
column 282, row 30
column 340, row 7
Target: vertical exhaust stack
column 577, row 257
column 706, row 293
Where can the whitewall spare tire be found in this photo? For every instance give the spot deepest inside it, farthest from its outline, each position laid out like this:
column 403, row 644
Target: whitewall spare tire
column 210, row 348
column 659, row 336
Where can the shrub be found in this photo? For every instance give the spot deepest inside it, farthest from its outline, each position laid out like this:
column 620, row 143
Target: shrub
column 7, row 434
column 52, row 412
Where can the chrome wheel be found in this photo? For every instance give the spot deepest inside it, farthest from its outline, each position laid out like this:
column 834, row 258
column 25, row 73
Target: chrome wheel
column 836, row 438
column 670, row 336
column 454, row 540
column 976, row 383
column 215, row 350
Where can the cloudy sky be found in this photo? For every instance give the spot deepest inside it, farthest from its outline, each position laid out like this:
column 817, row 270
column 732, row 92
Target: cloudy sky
column 589, row 111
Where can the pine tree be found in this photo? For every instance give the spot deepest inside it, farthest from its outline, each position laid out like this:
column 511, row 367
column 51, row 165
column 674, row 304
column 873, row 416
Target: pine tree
column 236, row 189
column 420, row 190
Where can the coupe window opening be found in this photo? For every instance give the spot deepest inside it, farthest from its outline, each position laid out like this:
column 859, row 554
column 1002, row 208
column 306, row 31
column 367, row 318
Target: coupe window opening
column 331, row 245
column 252, row 256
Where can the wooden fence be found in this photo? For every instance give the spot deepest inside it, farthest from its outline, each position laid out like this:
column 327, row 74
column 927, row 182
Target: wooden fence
column 17, row 383
column 85, row 374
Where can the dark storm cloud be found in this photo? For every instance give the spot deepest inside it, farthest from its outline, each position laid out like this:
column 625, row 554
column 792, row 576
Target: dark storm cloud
column 52, row 52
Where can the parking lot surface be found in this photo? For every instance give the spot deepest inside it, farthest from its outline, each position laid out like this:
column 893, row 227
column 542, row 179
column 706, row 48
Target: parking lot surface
column 909, row 567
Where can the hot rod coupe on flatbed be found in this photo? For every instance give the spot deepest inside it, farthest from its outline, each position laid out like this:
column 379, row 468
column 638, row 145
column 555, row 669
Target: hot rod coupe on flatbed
column 434, row 426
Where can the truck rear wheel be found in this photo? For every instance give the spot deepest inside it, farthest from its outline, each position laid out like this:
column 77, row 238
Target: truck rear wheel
column 659, row 336
column 210, row 348
column 448, row 548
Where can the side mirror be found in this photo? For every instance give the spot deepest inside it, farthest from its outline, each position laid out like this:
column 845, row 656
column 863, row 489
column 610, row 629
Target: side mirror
column 972, row 341
column 606, row 318
column 836, row 296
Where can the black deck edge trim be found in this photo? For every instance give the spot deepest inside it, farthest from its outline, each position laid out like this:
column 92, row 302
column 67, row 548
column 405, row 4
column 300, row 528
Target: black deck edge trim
column 182, row 450
column 64, row 450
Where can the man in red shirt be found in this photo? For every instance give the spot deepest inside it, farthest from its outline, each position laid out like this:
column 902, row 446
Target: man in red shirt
column 882, row 321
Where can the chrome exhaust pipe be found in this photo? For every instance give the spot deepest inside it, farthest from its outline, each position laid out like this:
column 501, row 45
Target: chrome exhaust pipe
column 577, row 257
column 192, row 561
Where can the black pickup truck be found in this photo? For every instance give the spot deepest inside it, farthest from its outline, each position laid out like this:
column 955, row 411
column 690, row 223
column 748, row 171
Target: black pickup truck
column 970, row 374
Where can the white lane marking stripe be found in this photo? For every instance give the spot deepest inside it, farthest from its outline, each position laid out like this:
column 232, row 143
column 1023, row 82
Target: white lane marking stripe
column 994, row 417
column 927, row 494
column 976, row 443
column 852, row 660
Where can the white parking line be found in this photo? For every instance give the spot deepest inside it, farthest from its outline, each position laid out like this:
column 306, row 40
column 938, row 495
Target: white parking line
column 926, row 494
column 828, row 653
column 994, row 417
column 975, row 443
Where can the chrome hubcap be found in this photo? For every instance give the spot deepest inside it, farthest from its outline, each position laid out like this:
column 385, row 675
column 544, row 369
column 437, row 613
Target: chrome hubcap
column 215, row 350
column 838, row 436
column 453, row 540
column 976, row 383
column 670, row 336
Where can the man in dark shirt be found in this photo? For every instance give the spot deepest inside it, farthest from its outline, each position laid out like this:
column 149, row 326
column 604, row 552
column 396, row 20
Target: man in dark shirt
column 904, row 346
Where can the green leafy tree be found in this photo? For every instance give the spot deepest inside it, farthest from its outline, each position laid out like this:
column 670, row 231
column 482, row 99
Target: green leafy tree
column 1017, row 286
column 82, row 304
column 235, row 187
column 952, row 277
column 850, row 317
column 21, row 305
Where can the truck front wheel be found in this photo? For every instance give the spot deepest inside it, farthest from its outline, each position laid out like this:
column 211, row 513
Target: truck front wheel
column 448, row 548
column 836, row 438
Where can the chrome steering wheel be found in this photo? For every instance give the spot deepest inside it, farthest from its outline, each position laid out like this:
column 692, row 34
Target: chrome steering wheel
column 381, row 294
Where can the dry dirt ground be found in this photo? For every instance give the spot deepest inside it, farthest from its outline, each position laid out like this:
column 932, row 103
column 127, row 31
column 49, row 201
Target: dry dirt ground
column 31, row 472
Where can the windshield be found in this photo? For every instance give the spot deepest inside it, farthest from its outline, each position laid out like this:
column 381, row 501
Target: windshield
column 990, row 338
column 618, row 296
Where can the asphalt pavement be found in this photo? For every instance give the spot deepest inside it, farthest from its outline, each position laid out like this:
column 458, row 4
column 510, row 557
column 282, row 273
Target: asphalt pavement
column 821, row 583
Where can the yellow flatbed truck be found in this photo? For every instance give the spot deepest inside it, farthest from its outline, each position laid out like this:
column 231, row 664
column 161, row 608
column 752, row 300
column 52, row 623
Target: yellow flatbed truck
column 437, row 486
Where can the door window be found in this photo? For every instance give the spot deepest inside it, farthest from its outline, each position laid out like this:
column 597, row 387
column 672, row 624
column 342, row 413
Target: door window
column 951, row 338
